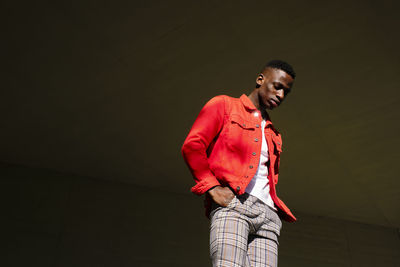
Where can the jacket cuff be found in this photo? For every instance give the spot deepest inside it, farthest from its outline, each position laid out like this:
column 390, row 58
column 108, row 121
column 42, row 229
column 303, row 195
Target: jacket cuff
column 205, row 185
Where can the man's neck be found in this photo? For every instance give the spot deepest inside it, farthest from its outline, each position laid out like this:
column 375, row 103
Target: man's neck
column 264, row 114
column 253, row 96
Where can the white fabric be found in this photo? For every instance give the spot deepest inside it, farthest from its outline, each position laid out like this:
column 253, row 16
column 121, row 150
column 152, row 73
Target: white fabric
column 259, row 185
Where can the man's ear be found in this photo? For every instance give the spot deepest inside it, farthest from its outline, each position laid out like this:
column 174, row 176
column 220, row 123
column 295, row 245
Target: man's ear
column 260, row 79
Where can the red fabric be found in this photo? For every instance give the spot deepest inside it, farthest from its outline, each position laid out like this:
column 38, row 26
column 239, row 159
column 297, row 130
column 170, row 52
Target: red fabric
column 219, row 148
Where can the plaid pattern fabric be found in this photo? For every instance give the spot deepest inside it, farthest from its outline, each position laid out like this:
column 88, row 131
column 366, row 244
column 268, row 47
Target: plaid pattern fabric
column 244, row 234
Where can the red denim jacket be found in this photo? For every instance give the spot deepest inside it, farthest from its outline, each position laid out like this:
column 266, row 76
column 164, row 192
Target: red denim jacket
column 224, row 145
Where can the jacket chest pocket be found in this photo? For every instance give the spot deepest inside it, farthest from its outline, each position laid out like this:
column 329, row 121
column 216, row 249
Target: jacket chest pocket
column 240, row 132
column 277, row 145
column 277, row 141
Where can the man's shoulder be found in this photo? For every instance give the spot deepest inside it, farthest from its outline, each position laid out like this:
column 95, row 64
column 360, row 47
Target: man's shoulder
column 224, row 99
column 225, row 102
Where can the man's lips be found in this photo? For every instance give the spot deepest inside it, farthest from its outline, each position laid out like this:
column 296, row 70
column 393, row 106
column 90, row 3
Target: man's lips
column 273, row 103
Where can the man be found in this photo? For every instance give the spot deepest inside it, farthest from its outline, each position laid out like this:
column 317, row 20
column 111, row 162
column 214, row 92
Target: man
column 233, row 152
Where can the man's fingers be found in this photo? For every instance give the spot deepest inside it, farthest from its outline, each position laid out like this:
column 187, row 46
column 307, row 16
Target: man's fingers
column 228, row 200
column 222, row 195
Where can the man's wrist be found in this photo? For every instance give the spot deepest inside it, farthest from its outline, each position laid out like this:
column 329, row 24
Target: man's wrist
column 212, row 189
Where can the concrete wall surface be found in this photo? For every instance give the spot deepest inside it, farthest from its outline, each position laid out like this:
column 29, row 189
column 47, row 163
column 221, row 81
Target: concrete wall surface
column 55, row 219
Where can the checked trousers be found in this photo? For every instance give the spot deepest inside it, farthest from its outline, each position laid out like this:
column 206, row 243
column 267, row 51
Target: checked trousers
column 244, row 234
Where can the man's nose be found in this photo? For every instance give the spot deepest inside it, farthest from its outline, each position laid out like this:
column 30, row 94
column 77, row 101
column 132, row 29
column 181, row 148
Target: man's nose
column 280, row 94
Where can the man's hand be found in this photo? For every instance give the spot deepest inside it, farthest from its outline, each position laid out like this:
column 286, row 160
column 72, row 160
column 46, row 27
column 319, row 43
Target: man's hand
column 221, row 195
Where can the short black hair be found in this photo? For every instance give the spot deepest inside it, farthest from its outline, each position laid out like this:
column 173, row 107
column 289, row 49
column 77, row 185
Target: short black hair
column 281, row 65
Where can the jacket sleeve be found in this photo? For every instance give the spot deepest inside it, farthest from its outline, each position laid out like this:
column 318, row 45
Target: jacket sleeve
column 194, row 150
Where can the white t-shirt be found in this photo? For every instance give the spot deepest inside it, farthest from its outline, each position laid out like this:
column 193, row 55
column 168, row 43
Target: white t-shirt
column 259, row 185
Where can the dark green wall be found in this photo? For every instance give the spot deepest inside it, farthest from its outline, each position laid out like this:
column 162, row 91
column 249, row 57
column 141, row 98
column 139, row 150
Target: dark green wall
column 97, row 89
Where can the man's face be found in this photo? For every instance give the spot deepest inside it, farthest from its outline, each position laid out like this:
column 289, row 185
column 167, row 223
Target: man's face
column 273, row 86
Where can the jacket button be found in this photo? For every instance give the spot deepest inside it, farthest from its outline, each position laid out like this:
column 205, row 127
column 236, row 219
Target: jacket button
column 255, row 139
column 257, row 125
column 238, row 188
column 244, row 125
column 246, row 176
column 254, row 153
column 251, row 166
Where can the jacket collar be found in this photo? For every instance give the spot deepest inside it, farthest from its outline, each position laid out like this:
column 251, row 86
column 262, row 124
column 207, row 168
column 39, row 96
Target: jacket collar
column 250, row 106
column 247, row 102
